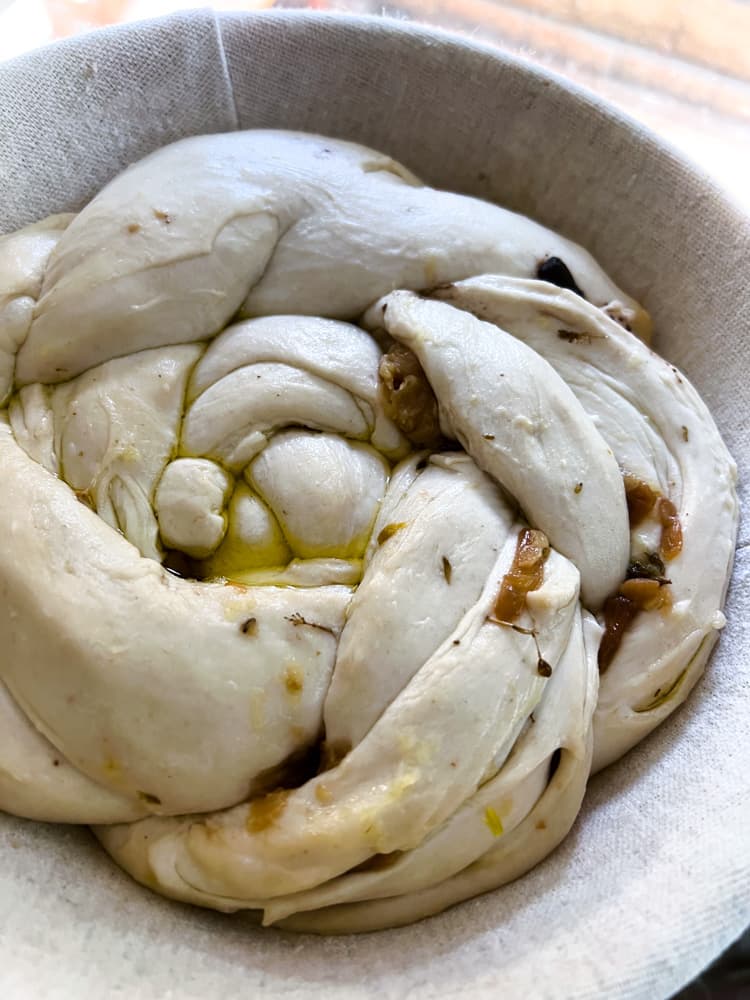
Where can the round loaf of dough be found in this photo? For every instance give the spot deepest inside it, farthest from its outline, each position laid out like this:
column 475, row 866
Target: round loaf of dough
column 333, row 503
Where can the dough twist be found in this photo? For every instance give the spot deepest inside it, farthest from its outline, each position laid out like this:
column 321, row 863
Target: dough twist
column 328, row 497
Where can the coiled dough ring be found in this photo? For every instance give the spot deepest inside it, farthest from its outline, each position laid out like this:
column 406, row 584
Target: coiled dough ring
column 329, row 497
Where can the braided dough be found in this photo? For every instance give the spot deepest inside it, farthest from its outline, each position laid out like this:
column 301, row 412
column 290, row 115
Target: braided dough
column 317, row 536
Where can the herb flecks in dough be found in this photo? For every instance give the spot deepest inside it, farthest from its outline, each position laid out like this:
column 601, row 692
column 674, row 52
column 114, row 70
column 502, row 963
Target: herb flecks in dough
column 249, row 626
column 662, row 695
column 649, row 566
column 575, row 336
column 297, row 619
column 389, row 531
column 149, row 799
column 493, row 822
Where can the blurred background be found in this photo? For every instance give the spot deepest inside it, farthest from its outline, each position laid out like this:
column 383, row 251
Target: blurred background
column 680, row 66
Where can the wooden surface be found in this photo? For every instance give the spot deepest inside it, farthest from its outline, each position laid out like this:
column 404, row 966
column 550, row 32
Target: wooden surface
column 683, row 68
column 715, row 33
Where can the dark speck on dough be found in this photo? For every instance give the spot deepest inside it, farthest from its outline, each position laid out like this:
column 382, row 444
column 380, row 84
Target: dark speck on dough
column 543, row 668
column 555, row 271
